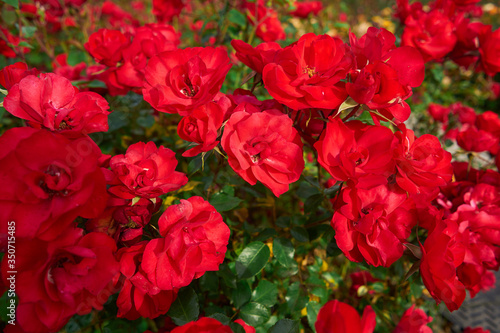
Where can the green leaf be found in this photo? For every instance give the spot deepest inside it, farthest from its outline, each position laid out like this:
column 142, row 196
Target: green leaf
column 225, row 199
column 265, row 234
column 26, row 44
column 284, row 251
column 252, row 259
column 222, row 318
column 236, row 328
column 312, row 313
column 300, row 234
column 236, row 17
column 146, row 121
column 266, row 293
column 312, row 203
column 116, row 120
column 286, row 326
column 241, row 295
column 185, row 308
column 255, row 314
column 28, row 31
column 13, row 3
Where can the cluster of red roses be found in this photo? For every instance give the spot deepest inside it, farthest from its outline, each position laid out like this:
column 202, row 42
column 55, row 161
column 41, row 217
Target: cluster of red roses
column 54, row 175
column 448, row 29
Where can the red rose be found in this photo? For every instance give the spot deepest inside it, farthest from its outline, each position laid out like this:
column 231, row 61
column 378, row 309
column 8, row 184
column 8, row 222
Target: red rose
column 182, row 80
column 202, row 127
column 70, row 274
column 422, row 163
column 195, row 241
column 264, row 146
column 138, row 296
column 255, row 58
column 413, row 321
column 371, row 224
column 442, row 253
column 203, row 325
column 165, row 10
column 61, row 67
column 432, row 33
column 472, row 139
column 269, row 27
column 146, row 171
column 48, row 180
column 246, row 327
column 107, row 46
column 308, row 73
column 52, row 102
column 339, row 317
column 489, row 48
column 356, row 151
column 12, row 74
column 305, row 8
column 475, row 330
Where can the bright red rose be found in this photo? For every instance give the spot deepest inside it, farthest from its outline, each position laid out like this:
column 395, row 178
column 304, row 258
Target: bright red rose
column 107, row 46
column 182, row 80
column 356, row 151
column 269, row 27
column 371, row 224
column 12, row 74
column 138, row 296
column 308, row 73
column 472, row 139
column 203, row 325
column 52, row 102
column 264, row 146
column 194, row 241
column 489, row 48
column 155, row 38
column 442, row 253
column 146, row 171
column 339, row 317
column 48, row 180
column 305, row 8
column 439, row 113
column 69, row 275
column 255, row 58
column 413, row 321
column 201, row 127
column 432, row 33
column 422, row 163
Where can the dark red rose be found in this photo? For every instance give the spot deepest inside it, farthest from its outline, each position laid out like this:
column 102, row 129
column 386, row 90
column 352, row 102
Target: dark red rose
column 413, row 321
column 194, row 241
column 69, row 275
column 52, row 102
column 255, row 58
column 305, row 8
column 146, row 171
column 339, row 317
column 182, row 80
column 264, row 146
column 203, row 325
column 356, row 151
column 489, row 48
column 442, row 253
column 12, row 74
column 201, row 127
column 475, row 330
column 308, row 73
column 48, row 181
column 432, row 33
column 107, row 46
column 138, row 296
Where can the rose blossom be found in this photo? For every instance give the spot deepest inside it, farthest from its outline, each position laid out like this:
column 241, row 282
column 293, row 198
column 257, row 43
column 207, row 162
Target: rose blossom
column 264, row 146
